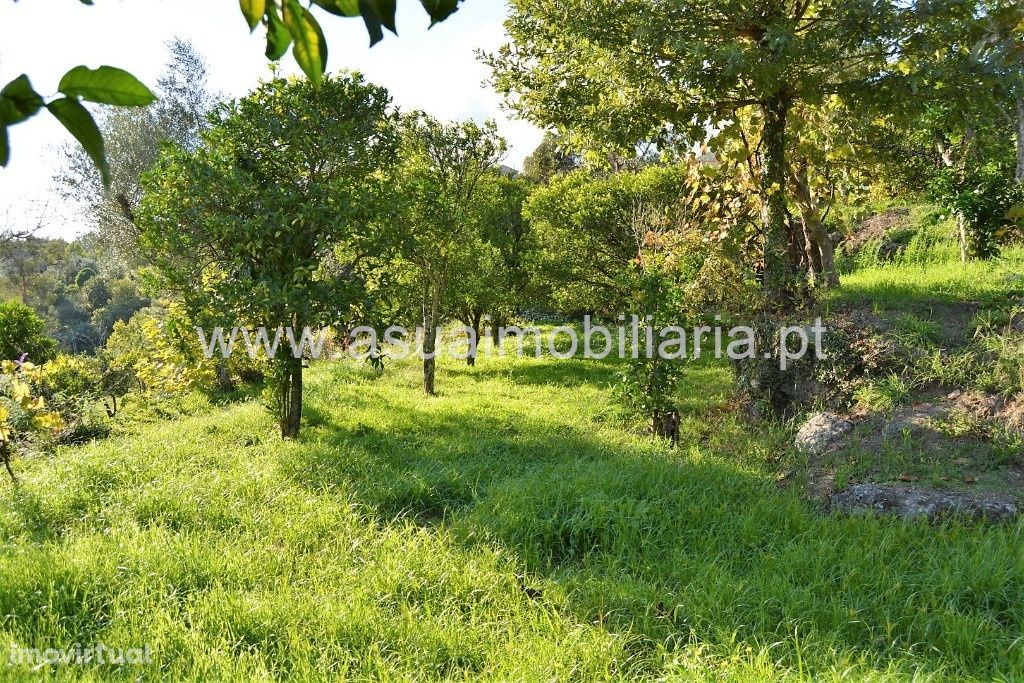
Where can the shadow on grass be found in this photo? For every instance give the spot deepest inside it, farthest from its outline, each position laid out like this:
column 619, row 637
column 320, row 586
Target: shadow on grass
column 665, row 546
column 545, row 371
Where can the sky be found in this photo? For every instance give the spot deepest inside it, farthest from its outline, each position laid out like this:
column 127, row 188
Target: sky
column 434, row 70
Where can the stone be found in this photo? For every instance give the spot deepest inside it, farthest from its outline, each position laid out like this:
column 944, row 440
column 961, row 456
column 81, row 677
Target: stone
column 822, row 432
column 916, row 418
column 919, row 503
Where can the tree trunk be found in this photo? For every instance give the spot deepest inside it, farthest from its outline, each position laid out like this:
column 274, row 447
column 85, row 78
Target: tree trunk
column 811, row 215
column 432, row 291
column 5, row 456
column 476, row 317
column 497, row 322
column 665, row 424
column 1020, row 138
column 291, row 399
column 961, row 224
column 777, row 276
column 224, row 383
column 813, row 253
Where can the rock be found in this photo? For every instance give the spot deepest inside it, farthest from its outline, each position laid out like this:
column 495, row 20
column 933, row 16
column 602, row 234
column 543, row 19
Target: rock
column 821, row 432
column 912, row 503
column 914, row 419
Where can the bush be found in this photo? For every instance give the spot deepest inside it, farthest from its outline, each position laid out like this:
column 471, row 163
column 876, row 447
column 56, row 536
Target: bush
column 73, row 386
column 71, row 377
column 989, row 201
column 23, row 411
column 23, row 333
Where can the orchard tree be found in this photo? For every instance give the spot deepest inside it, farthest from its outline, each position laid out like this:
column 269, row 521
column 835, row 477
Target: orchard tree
column 265, row 225
column 492, row 278
column 442, row 167
column 507, row 230
column 609, row 76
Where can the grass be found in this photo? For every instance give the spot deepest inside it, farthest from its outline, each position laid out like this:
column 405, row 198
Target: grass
column 920, row 287
column 509, row 529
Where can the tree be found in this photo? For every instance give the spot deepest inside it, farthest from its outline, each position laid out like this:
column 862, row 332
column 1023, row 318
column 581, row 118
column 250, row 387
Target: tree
column 507, row 230
column 944, row 120
column 264, row 225
column 609, row 76
column 23, row 333
column 549, row 159
column 288, row 23
column 442, row 167
column 1002, row 45
column 133, row 139
column 492, row 276
column 22, row 263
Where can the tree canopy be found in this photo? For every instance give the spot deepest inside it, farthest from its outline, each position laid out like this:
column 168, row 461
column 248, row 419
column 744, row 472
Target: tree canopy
column 264, row 225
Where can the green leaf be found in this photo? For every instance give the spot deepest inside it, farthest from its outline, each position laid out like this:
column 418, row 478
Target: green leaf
column 373, row 24
column 278, row 37
column 439, row 10
column 19, row 101
column 5, row 148
column 253, row 11
column 310, row 48
column 382, row 10
column 341, row 8
column 79, row 122
column 106, row 85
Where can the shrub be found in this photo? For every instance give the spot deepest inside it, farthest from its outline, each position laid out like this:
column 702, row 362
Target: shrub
column 23, row 333
column 70, row 377
column 23, row 411
column 989, row 201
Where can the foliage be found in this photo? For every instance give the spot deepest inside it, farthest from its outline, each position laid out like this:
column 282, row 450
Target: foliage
column 584, row 226
column 73, row 387
column 988, row 200
column 23, row 411
column 548, row 160
column 133, row 140
column 144, row 354
column 609, row 77
column 23, row 334
column 289, row 23
column 106, row 85
column 77, row 291
column 266, row 226
column 493, row 270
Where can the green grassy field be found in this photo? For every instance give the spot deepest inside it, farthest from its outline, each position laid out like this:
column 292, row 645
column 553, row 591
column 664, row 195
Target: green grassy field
column 508, row 529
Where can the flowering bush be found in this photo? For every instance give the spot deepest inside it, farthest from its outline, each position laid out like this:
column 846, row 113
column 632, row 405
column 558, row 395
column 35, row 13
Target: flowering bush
column 23, row 411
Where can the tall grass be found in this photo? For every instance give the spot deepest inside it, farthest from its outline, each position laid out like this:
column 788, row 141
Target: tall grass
column 507, row 530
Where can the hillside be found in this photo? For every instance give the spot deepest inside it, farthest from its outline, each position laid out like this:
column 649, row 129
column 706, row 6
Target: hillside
column 505, row 530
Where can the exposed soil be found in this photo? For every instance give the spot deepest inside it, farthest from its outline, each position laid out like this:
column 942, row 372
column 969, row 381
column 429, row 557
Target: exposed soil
column 875, row 228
